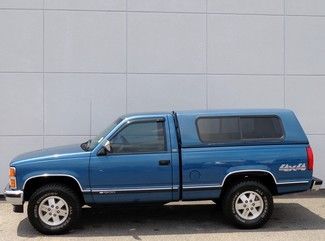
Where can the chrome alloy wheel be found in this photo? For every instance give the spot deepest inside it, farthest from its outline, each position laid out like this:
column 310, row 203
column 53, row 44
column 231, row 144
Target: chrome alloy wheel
column 249, row 205
column 53, row 210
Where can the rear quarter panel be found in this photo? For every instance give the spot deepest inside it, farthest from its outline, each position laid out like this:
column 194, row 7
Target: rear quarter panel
column 214, row 163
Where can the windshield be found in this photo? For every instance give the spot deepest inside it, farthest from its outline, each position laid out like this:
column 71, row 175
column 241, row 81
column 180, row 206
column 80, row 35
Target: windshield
column 92, row 143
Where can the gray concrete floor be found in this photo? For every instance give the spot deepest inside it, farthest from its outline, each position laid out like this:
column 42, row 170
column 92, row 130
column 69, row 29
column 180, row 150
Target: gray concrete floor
column 295, row 217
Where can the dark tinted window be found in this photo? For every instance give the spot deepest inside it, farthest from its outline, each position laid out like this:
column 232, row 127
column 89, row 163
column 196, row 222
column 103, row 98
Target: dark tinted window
column 261, row 127
column 230, row 129
column 218, row 130
column 140, row 137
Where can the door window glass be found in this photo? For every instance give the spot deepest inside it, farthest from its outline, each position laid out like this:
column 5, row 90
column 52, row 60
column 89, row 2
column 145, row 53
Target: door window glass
column 140, row 137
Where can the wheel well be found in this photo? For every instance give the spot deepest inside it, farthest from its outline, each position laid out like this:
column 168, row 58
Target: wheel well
column 263, row 177
column 33, row 184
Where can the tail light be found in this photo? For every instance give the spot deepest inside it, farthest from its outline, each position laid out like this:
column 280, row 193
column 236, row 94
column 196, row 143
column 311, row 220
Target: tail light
column 310, row 158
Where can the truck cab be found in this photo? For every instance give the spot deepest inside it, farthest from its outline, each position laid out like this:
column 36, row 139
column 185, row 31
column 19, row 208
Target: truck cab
column 238, row 158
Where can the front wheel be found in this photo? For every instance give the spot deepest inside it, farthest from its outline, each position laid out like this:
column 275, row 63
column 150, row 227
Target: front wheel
column 54, row 209
column 248, row 204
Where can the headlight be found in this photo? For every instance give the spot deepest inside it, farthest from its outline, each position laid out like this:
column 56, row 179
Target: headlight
column 12, row 178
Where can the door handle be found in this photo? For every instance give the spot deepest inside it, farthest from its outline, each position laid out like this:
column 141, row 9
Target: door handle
column 164, row 162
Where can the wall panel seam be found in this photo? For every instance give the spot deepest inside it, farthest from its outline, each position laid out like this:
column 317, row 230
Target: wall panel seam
column 206, row 56
column 284, row 54
column 43, row 66
column 126, row 56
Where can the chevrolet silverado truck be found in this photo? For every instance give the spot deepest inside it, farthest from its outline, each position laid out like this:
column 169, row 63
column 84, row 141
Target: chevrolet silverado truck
column 237, row 158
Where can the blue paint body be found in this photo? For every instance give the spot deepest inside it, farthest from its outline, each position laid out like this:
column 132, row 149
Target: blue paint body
column 196, row 171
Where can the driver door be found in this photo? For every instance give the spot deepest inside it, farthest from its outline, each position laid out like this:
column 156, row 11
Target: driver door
column 137, row 167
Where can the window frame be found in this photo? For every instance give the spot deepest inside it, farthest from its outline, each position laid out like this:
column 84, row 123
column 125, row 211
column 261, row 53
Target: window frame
column 135, row 121
column 242, row 140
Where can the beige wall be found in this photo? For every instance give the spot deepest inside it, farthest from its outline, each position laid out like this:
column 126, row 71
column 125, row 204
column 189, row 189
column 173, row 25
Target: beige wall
column 69, row 67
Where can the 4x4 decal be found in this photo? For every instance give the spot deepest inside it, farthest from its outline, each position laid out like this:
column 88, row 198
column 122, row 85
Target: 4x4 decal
column 288, row 168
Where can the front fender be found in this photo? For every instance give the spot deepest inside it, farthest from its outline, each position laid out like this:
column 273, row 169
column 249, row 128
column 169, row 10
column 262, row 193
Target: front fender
column 76, row 168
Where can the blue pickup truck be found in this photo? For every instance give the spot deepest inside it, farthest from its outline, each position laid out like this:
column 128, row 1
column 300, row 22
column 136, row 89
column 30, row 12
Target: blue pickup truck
column 238, row 158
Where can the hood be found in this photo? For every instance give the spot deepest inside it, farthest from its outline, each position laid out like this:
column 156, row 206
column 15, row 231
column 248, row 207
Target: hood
column 71, row 151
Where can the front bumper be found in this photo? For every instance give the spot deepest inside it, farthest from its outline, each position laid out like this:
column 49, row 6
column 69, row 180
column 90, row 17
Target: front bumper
column 15, row 197
column 316, row 183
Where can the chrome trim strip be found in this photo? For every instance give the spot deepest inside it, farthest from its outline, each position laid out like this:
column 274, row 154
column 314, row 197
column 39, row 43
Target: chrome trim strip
column 205, row 186
column 53, row 175
column 132, row 189
column 248, row 170
column 175, row 187
column 200, row 186
column 261, row 170
column 288, row 183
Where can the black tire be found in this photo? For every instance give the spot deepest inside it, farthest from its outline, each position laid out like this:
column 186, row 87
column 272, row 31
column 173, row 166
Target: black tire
column 67, row 194
column 230, row 197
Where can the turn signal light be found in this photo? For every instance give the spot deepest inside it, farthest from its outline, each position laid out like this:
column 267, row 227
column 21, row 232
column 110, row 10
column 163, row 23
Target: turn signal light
column 12, row 178
column 12, row 183
column 12, row 172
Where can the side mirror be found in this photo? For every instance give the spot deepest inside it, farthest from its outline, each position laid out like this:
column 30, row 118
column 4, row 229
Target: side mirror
column 107, row 146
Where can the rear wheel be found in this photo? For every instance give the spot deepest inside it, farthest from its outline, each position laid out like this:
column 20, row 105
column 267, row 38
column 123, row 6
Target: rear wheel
column 248, row 204
column 54, row 209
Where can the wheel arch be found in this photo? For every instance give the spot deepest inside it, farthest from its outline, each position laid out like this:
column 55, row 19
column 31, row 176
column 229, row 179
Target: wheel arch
column 264, row 176
column 33, row 183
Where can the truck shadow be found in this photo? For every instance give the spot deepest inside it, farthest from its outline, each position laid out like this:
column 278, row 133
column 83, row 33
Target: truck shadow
column 137, row 221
